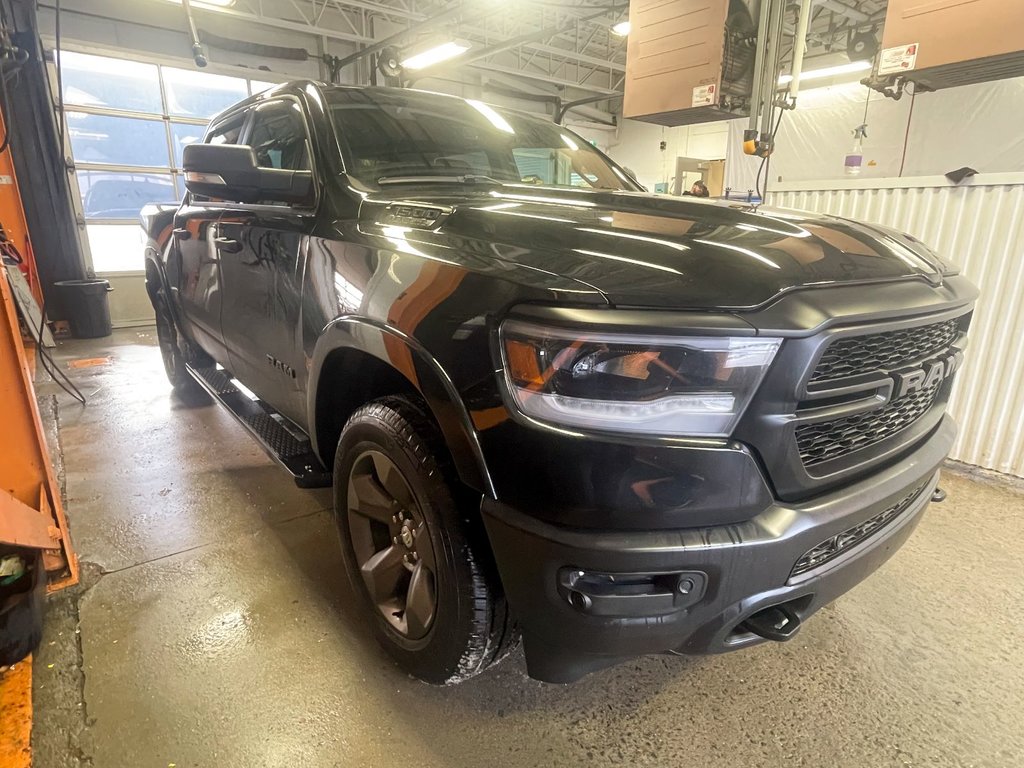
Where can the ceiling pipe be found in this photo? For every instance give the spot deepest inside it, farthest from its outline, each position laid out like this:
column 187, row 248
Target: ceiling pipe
column 799, row 49
column 757, row 89
column 198, row 54
column 770, row 72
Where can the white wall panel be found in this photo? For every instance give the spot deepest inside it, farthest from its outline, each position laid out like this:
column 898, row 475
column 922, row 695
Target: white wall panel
column 981, row 227
column 637, row 147
column 972, row 125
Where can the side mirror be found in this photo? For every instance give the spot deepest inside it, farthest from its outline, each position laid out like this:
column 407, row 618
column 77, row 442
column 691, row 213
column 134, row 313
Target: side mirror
column 230, row 172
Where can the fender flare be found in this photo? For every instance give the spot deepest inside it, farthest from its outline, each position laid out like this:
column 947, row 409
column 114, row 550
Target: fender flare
column 406, row 356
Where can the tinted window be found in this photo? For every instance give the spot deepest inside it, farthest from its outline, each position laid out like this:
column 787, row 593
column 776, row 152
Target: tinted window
column 228, row 132
column 385, row 134
column 278, row 137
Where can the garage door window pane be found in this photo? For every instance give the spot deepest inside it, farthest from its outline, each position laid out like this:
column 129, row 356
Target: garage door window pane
column 184, row 135
column 117, row 140
column 99, row 81
column 109, row 195
column 116, row 247
column 259, row 86
column 199, row 94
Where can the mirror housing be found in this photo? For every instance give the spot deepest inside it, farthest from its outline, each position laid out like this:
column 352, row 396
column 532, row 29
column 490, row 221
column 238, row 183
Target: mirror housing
column 229, row 172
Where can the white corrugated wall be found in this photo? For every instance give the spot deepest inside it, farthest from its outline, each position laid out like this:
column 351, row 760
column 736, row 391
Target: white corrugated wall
column 980, row 227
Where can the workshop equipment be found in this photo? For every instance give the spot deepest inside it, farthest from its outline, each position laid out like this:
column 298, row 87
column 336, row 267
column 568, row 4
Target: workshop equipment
column 33, row 528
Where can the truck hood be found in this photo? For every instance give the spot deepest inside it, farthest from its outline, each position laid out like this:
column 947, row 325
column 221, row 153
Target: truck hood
column 644, row 250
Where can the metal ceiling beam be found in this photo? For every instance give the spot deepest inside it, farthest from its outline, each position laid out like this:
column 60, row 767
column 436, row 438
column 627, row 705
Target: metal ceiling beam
column 320, row 30
column 580, row 57
column 270, row 21
column 513, row 87
column 543, row 78
column 499, row 47
column 375, row 8
column 843, row 9
column 542, row 47
column 451, row 13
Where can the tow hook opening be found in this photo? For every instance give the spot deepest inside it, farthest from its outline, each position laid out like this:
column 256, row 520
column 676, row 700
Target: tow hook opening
column 776, row 622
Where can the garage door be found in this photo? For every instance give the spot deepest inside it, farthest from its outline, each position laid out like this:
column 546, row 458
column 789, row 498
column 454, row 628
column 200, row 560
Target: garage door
column 127, row 124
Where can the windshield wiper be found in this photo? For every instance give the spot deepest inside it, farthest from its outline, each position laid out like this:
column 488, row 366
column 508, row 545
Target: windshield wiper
column 469, row 178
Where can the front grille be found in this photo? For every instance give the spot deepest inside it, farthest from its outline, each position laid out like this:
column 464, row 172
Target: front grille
column 827, row 440
column 884, row 351
column 833, row 547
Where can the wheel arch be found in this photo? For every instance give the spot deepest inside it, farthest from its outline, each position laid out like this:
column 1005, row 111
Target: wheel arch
column 389, row 362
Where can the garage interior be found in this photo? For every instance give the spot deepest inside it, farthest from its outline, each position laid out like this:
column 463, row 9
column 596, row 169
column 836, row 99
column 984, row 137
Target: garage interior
column 197, row 612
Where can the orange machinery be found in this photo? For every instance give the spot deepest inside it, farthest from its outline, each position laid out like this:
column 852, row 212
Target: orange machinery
column 31, row 514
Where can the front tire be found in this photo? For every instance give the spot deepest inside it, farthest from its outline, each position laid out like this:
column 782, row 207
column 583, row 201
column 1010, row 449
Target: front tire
column 422, row 569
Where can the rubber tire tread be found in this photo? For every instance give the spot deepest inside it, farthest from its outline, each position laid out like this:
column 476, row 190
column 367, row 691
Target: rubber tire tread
column 494, row 633
column 181, row 380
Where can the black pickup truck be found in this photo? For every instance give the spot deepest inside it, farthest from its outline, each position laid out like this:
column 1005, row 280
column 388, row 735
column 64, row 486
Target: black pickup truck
column 552, row 405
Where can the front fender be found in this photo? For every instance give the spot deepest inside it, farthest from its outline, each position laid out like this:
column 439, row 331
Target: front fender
column 409, row 358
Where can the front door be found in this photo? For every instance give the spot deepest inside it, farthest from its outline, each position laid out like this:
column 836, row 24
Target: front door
column 261, row 249
column 194, row 272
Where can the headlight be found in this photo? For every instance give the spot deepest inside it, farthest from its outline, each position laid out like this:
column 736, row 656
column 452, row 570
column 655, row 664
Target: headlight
column 662, row 385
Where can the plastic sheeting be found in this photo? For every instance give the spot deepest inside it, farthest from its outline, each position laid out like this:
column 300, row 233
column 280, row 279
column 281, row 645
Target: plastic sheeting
column 39, row 164
column 974, row 125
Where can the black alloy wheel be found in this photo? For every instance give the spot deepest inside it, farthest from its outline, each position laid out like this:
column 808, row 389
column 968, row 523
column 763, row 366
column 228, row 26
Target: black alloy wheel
column 391, row 545
column 414, row 548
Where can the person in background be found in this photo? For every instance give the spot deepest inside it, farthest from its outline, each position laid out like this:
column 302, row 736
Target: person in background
column 699, row 189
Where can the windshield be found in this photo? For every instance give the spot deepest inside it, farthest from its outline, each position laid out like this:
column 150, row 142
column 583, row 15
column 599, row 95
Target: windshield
column 390, row 137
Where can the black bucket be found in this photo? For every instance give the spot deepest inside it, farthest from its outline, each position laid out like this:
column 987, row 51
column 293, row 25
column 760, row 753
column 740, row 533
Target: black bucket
column 21, row 612
column 85, row 302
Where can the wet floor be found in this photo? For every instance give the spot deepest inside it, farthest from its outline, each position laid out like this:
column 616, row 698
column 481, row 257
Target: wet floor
column 214, row 628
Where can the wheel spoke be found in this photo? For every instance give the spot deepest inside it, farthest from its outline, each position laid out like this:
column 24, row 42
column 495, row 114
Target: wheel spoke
column 382, row 573
column 419, row 601
column 391, row 479
column 423, row 546
column 369, row 499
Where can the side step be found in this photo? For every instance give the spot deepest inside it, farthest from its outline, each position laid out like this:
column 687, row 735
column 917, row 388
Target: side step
column 293, row 453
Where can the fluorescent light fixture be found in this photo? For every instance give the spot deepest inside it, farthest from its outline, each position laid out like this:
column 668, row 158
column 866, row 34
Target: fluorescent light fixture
column 819, row 74
column 621, row 29
column 495, row 119
column 435, row 55
column 208, row 3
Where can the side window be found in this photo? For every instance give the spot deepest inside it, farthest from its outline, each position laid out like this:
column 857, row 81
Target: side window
column 278, row 137
column 227, row 132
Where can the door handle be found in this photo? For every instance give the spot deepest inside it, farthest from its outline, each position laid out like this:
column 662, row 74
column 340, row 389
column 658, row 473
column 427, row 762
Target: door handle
column 182, row 233
column 227, row 244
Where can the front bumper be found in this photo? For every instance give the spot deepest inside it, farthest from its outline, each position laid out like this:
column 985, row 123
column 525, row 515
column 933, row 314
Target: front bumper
column 738, row 569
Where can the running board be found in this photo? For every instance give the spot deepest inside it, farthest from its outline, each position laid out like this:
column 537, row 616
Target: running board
column 293, row 453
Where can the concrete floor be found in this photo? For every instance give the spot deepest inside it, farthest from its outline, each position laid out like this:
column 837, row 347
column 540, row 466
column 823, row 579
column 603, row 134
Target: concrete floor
column 213, row 628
